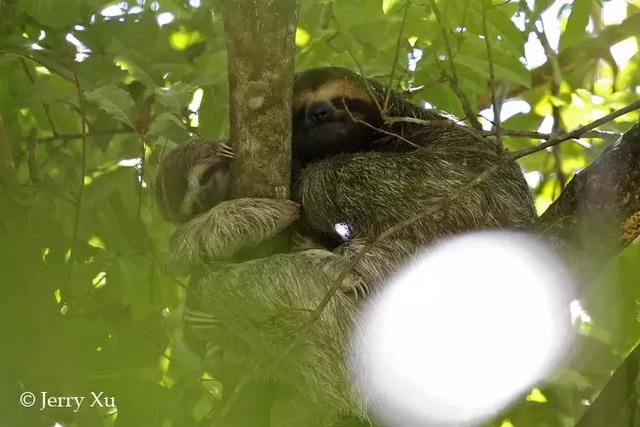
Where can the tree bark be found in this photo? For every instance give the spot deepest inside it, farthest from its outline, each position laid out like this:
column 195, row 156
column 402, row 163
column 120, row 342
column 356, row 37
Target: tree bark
column 598, row 213
column 260, row 46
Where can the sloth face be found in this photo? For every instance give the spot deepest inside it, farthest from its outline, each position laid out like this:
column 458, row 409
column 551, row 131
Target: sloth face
column 333, row 113
column 192, row 178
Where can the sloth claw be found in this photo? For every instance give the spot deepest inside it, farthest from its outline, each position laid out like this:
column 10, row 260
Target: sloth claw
column 356, row 286
column 225, row 150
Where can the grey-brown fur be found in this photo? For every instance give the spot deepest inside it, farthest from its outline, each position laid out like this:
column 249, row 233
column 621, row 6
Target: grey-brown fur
column 257, row 307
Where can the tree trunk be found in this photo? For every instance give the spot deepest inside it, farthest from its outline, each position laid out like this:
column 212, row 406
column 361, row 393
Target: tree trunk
column 260, row 46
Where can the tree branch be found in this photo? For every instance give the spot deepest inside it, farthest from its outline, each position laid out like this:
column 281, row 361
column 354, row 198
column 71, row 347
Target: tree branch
column 598, row 213
column 577, row 132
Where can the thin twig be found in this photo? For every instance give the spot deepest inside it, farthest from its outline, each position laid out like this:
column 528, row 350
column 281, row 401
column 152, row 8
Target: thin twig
column 556, row 81
column 355, row 61
column 83, row 161
column 66, row 137
column 575, row 133
column 45, row 106
column 438, row 123
column 601, row 134
column 492, row 79
column 453, row 78
column 384, row 131
column 397, row 54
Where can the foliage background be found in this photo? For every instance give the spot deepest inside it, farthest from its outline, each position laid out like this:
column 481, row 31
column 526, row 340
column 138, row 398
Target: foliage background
column 86, row 301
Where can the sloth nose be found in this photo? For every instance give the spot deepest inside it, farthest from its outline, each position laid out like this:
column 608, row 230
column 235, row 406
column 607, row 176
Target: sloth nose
column 318, row 112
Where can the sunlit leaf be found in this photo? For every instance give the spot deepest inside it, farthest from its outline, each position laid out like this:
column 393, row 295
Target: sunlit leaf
column 576, row 24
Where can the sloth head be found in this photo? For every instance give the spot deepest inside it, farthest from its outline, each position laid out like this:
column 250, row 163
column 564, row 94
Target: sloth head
column 330, row 108
column 192, row 178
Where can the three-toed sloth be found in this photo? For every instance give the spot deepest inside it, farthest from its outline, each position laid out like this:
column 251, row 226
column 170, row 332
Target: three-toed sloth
column 358, row 166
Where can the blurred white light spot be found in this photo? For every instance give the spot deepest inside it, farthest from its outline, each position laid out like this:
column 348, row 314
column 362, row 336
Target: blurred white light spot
column 130, row 163
column 463, row 331
column 623, row 51
column 343, row 230
column 194, row 120
column 427, row 105
column 413, row 58
column 547, row 125
column 194, row 105
column 578, row 314
column 519, row 20
column 614, row 12
column 165, row 18
column 113, row 10
column 82, row 52
column 534, row 52
column 509, row 109
column 195, row 3
column 533, row 179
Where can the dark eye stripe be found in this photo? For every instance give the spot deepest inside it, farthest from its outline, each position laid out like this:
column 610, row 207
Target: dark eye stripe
column 211, row 170
column 339, row 102
column 354, row 105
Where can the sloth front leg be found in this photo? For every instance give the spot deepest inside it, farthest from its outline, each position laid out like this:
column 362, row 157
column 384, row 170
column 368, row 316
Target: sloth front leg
column 228, row 227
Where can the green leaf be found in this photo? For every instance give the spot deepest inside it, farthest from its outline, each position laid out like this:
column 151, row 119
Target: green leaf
column 115, row 101
column 53, row 13
column 176, row 98
column 168, row 126
column 576, row 24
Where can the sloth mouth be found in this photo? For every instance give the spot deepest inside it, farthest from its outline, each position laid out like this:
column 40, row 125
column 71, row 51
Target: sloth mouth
column 328, row 132
column 326, row 123
column 335, row 126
